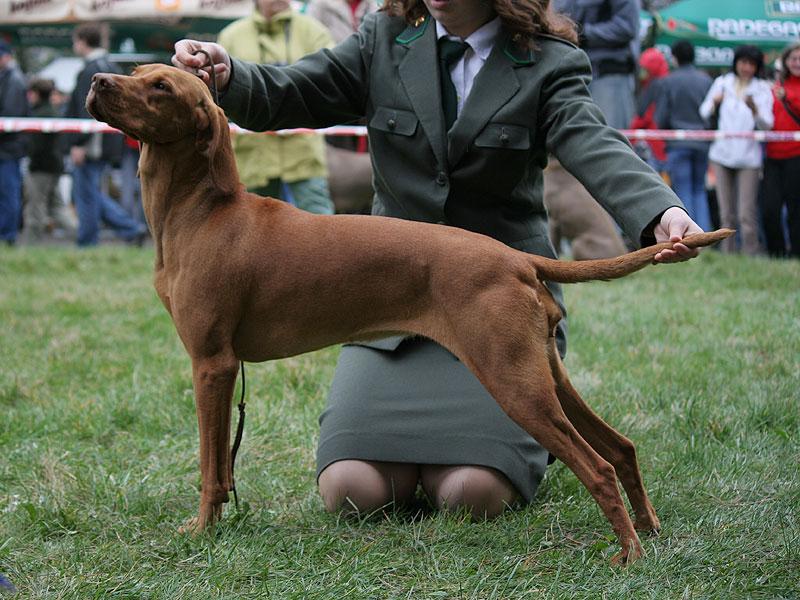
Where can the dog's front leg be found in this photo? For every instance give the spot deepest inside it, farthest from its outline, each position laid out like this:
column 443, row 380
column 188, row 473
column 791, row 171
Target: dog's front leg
column 214, row 379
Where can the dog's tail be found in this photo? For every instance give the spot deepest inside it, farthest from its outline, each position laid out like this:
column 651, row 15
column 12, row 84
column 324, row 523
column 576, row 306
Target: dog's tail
column 612, row 268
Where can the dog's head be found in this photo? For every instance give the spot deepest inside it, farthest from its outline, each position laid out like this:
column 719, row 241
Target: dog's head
column 160, row 104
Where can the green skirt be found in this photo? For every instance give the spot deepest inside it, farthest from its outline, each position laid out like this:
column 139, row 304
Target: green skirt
column 419, row 404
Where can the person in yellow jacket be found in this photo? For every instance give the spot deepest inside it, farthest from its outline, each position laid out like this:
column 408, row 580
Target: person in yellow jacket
column 292, row 168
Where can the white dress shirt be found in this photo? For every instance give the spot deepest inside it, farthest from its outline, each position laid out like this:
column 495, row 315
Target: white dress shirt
column 464, row 71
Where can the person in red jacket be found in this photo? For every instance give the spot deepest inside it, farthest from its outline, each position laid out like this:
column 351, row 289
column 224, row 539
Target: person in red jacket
column 782, row 167
column 652, row 67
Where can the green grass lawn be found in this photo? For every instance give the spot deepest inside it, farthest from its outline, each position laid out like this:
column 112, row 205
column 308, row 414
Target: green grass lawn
column 698, row 363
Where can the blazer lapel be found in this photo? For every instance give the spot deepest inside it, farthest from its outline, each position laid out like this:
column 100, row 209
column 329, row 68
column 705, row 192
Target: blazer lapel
column 494, row 86
column 420, row 77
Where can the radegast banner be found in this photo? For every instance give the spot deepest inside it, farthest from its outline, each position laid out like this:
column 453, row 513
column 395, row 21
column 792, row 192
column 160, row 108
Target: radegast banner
column 716, row 27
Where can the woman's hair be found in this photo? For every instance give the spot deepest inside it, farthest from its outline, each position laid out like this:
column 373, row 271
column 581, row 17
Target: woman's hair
column 752, row 54
column 784, row 72
column 525, row 19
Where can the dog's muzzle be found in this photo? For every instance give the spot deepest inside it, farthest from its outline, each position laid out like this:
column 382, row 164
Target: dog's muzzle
column 101, row 82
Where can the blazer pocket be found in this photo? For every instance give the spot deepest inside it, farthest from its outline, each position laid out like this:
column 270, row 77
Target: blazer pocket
column 394, row 120
column 507, row 137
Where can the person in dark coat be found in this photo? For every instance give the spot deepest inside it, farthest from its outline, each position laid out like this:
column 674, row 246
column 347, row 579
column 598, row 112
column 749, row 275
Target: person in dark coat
column 44, row 206
column 92, row 154
column 13, row 103
column 678, row 107
column 461, row 143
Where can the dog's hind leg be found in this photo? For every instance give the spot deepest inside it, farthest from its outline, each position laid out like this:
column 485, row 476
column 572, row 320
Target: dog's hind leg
column 532, row 402
column 608, row 442
column 514, row 369
column 214, row 379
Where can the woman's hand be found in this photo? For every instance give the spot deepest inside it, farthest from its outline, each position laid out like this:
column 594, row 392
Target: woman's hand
column 675, row 225
column 189, row 58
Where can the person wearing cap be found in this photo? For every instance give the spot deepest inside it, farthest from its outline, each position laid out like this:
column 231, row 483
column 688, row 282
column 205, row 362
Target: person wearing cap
column 653, row 67
column 464, row 100
column 13, row 103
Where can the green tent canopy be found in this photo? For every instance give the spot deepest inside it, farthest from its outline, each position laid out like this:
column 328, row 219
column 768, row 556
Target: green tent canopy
column 716, row 27
column 142, row 35
column 150, row 26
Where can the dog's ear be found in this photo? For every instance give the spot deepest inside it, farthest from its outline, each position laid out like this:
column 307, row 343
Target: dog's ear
column 213, row 142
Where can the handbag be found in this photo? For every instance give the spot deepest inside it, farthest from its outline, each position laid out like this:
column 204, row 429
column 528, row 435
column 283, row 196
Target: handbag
column 789, row 110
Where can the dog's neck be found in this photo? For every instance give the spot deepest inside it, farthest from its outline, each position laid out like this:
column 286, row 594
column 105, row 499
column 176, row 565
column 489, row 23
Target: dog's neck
column 179, row 184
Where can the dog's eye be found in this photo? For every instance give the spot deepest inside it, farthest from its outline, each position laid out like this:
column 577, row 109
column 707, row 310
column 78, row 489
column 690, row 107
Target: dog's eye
column 160, row 85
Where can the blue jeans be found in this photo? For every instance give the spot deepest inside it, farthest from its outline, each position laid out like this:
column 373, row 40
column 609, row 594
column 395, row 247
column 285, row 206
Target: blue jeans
column 130, row 188
column 10, row 198
column 94, row 207
column 687, row 170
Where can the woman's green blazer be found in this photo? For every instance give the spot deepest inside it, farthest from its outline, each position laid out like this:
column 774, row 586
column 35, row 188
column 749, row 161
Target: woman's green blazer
column 485, row 174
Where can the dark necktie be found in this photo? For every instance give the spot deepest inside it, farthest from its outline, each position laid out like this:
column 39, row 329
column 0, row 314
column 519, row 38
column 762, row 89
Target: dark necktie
column 449, row 53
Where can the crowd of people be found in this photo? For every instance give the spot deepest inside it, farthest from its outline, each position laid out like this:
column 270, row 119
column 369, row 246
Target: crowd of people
column 35, row 204
column 751, row 185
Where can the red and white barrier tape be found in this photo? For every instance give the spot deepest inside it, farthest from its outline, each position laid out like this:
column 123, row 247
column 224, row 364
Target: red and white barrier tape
column 709, row 135
column 10, row 124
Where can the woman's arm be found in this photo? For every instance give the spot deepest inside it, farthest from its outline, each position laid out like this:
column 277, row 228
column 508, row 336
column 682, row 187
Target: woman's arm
column 329, row 87
column 597, row 155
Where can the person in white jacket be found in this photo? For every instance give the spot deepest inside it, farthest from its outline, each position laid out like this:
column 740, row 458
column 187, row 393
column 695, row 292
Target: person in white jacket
column 740, row 101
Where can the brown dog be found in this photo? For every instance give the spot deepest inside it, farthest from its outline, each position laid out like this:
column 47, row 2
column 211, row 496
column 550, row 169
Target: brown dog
column 247, row 278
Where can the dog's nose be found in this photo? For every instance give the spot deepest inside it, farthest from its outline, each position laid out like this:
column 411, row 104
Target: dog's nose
column 102, row 80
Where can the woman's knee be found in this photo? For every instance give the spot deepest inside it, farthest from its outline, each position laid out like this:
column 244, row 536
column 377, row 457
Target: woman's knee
column 362, row 487
column 483, row 491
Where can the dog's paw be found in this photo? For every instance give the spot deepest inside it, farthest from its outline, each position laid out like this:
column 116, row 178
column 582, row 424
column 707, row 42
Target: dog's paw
column 629, row 555
column 207, row 517
column 651, row 525
column 192, row 527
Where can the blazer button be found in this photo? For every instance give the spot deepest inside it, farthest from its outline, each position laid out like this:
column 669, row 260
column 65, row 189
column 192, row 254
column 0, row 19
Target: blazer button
column 504, row 139
column 441, row 178
column 391, row 123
